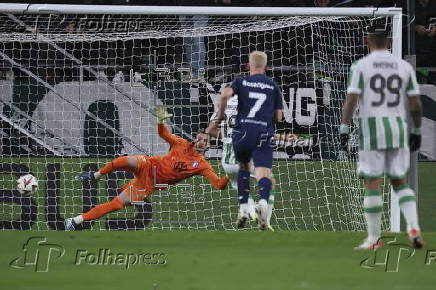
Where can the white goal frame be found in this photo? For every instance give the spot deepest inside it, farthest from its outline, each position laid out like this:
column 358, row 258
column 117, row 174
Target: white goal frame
column 395, row 13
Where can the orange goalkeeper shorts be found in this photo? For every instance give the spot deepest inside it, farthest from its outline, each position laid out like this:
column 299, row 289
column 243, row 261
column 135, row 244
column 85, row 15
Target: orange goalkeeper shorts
column 142, row 185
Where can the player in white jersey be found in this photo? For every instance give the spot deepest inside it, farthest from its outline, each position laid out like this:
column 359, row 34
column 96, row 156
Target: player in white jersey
column 380, row 84
column 231, row 167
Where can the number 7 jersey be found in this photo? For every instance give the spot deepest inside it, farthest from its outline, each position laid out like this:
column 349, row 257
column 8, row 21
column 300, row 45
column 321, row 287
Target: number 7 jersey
column 382, row 82
column 258, row 98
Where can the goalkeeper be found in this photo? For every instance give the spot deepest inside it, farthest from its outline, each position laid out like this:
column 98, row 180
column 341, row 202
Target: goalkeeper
column 185, row 159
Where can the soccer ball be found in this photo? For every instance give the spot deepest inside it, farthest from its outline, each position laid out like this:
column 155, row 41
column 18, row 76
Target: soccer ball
column 27, row 184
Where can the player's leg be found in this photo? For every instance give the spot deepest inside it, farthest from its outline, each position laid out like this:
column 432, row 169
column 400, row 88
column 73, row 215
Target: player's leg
column 98, row 211
column 127, row 163
column 397, row 168
column 229, row 164
column 242, row 150
column 243, row 194
column 371, row 168
column 271, row 203
column 262, row 160
column 232, row 171
column 264, row 183
column 134, row 191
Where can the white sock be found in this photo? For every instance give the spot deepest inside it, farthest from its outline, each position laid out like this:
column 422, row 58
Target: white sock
column 372, row 204
column 78, row 219
column 270, row 207
column 263, row 202
column 407, row 201
column 373, row 221
column 243, row 208
column 251, row 207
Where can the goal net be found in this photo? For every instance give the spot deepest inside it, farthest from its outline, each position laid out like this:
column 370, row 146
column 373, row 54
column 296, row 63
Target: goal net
column 79, row 85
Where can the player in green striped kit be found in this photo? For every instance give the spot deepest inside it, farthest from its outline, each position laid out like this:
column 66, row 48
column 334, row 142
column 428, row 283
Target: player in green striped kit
column 231, row 167
column 380, row 84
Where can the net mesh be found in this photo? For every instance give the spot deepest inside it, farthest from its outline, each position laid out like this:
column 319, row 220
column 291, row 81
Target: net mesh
column 79, row 90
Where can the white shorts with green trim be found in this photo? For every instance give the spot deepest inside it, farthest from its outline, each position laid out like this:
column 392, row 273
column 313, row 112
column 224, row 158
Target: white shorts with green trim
column 375, row 163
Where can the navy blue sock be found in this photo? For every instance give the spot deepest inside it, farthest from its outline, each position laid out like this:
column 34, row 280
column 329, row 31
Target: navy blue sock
column 243, row 186
column 264, row 186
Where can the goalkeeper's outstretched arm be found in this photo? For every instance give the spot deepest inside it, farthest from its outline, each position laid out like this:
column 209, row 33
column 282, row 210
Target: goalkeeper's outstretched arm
column 162, row 115
column 216, row 181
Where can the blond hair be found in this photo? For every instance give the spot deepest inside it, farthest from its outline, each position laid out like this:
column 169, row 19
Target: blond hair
column 258, row 59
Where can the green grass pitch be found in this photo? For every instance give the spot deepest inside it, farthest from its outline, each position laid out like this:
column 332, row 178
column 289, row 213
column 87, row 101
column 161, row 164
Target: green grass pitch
column 205, row 260
column 217, row 260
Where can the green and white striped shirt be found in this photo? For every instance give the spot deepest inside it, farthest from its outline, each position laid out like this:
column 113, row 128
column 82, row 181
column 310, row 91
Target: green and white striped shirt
column 382, row 81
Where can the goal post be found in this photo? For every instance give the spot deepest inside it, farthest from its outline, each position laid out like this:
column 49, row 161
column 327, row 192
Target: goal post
column 87, row 78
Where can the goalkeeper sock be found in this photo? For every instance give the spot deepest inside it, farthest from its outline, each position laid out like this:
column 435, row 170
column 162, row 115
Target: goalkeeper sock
column 373, row 208
column 264, row 186
column 118, row 163
column 102, row 209
column 407, row 201
column 243, row 186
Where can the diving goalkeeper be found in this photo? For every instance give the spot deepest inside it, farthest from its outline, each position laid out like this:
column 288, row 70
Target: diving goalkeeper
column 184, row 160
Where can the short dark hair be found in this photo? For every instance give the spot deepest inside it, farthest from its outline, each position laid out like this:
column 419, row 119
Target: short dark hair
column 378, row 32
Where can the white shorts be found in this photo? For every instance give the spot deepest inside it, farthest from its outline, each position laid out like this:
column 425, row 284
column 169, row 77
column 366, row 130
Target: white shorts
column 375, row 163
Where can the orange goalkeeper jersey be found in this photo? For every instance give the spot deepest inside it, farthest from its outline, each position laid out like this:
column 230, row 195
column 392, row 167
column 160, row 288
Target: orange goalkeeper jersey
column 181, row 162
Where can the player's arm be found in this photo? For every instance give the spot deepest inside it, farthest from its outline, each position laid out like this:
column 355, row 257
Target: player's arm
column 222, row 104
column 224, row 98
column 415, row 112
column 353, row 93
column 213, row 130
column 350, row 104
column 216, row 181
column 278, row 105
column 415, row 108
column 162, row 115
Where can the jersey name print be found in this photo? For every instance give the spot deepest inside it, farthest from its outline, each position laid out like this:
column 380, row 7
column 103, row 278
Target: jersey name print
column 258, row 98
column 382, row 82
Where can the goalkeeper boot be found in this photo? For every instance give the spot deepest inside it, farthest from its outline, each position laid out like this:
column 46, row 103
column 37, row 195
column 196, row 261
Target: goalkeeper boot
column 243, row 216
column 262, row 214
column 369, row 244
column 70, row 224
column 86, row 176
column 416, row 239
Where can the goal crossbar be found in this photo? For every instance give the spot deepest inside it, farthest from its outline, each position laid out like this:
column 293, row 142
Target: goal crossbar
column 195, row 10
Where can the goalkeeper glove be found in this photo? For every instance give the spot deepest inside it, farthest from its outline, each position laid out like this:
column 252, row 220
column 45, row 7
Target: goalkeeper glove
column 344, row 132
column 415, row 139
column 162, row 114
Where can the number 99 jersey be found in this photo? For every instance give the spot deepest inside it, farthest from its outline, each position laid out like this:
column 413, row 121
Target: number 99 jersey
column 382, row 82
